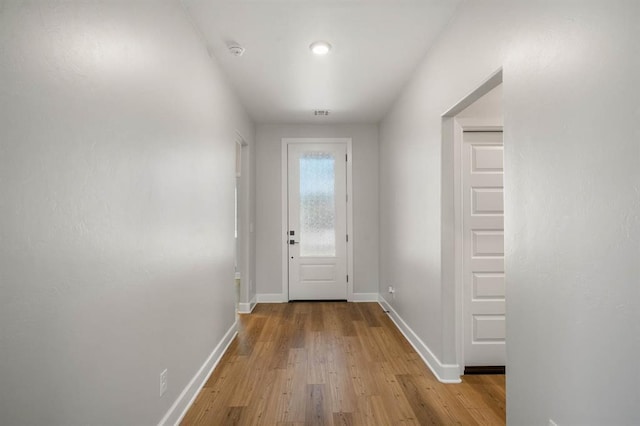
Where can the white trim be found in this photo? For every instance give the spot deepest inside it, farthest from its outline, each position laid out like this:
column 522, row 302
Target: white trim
column 483, row 88
column 364, row 297
column 247, row 308
column 281, row 298
column 285, row 208
column 240, row 139
column 468, row 124
column 190, row 392
column 351, row 282
column 458, row 244
column 452, row 133
column 445, row 373
column 245, row 234
column 284, row 217
column 462, row 125
column 271, row 298
column 244, row 308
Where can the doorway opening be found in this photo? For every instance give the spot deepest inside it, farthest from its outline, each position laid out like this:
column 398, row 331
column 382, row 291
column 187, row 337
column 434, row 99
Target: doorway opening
column 243, row 227
column 474, row 295
column 237, row 220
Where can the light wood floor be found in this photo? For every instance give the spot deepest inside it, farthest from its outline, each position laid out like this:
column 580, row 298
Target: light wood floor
column 335, row 363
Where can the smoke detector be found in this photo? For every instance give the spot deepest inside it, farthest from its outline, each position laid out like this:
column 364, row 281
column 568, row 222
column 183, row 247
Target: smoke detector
column 321, row 112
column 236, row 49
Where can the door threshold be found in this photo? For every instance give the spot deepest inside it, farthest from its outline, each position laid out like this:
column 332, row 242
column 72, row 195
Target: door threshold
column 317, row 300
column 487, row 369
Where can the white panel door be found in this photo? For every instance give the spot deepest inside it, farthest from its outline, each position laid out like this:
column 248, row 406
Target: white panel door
column 483, row 245
column 317, row 214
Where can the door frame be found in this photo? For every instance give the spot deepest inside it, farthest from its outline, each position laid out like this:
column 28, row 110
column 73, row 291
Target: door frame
column 285, row 209
column 245, row 226
column 452, row 247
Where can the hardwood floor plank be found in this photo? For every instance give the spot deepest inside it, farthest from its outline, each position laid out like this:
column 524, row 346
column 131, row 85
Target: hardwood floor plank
column 379, row 411
column 317, row 317
column 246, row 341
column 259, row 411
column 316, row 409
column 425, row 410
column 343, row 419
column 249, row 380
column 355, row 314
column 485, row 417
column 368, row 314
column 233, row 416
column 396, row 406
column 345, row 321
column 294, row 397
column 280, row 355
column 339, row 363
column 300, row 332
column 317, row 359
column 357, row 368
column 340, row 387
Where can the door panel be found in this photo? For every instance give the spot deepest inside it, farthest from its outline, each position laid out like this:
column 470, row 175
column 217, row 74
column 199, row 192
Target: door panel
column 486, row 158
column 488, row 243
column 487, row 201
column 489, row 328
column 483, row 246
column 487, row 285
column 317, row 214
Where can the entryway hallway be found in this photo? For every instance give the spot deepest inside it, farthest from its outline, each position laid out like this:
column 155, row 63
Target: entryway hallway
column 335, row 363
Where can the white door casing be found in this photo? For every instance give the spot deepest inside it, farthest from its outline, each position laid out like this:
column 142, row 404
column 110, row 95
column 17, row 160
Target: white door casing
column 483, row 248
column 317, row 225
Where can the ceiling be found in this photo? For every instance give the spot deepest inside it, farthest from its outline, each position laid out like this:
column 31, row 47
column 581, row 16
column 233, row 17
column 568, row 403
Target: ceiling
column 376, row 47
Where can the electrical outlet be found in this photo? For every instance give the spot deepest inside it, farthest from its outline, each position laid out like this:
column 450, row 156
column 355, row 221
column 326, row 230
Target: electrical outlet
column 392, row 292
column 163, row 382
column 552, row 423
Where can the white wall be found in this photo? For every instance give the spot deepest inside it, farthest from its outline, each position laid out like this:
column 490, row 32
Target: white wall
column 571, row 85
column 268, row 201
column 116, row 224
column 488, row 108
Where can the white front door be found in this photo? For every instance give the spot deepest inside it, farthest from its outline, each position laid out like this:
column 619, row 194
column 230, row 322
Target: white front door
column 317, row 215
column 483, row 245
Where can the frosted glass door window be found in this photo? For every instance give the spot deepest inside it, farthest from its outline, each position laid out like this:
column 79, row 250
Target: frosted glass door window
column 317, row 204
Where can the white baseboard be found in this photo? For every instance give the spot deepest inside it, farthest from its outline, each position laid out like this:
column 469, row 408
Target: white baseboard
column 445, row 373
column 270, row 298
column 280, row 298
column 188, row 395
column 247, row 308
column 365, row 297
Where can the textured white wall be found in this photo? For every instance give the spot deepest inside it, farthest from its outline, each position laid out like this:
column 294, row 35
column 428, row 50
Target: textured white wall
column 116, row 224
column 269, row 208
column 488, row 108
column 571, row 85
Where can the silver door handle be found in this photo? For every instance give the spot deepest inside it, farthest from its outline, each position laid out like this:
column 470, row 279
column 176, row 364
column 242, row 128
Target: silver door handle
column 292, row 242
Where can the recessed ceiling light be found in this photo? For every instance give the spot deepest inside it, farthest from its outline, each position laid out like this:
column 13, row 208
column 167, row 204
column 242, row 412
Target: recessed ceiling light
column 320, row 47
